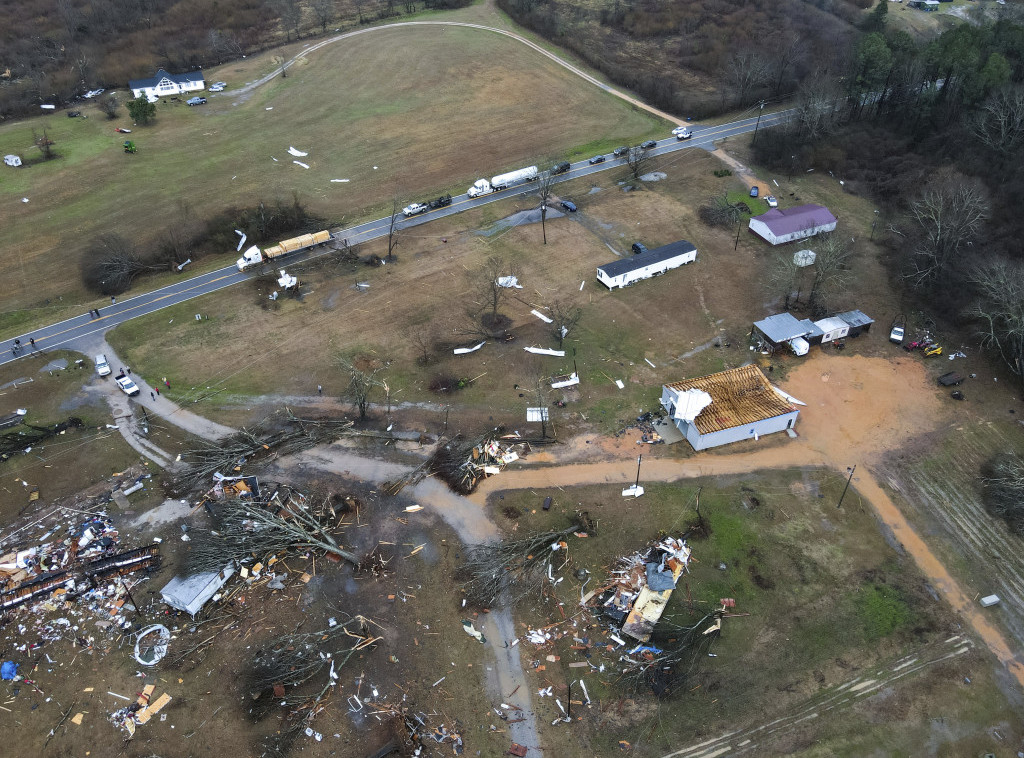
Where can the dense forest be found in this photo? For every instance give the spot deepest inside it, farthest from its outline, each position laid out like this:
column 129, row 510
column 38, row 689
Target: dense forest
column 700, row 57
column 52, row 51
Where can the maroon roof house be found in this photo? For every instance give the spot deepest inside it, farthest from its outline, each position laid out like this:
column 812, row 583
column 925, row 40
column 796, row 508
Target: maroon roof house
column 781, row 225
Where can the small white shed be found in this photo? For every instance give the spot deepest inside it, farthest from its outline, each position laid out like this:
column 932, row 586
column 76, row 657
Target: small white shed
column 833, row 328
column 626, row 271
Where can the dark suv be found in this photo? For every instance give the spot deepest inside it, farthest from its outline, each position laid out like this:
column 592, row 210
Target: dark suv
column 648, row 144
column 560, row 168
column 639, row 247
column 620, row 151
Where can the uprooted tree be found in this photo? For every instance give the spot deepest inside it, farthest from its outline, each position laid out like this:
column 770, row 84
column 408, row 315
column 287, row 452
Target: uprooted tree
column 248, row 529
column 516, row 568
column 111, row 263
column 565, row 315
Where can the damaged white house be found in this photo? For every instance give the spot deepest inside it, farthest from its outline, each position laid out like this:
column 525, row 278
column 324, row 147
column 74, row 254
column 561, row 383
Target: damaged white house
column 730, row 406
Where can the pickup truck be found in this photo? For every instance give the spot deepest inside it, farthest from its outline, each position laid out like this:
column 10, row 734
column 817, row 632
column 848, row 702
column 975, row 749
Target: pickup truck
column 127, row 385
column 415, row 209
column 442, row 202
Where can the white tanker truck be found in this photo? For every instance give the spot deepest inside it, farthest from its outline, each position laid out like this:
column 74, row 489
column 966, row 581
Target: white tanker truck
column 501, row 181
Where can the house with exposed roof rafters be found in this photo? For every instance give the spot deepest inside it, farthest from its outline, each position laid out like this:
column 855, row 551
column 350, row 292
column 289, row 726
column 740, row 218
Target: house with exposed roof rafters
column 730, row 406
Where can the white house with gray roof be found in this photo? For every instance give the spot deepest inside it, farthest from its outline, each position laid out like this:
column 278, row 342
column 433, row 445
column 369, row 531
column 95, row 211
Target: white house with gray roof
column 167, row 85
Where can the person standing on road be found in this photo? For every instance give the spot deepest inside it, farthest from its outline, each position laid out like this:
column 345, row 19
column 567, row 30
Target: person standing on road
column 151, row 395
column 157, row 390
column 113, row 299
column 32, row 342
column 319, row 390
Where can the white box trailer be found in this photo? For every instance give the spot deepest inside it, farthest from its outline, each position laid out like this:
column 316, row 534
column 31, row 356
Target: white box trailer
column 626, row 271
column 833, row 328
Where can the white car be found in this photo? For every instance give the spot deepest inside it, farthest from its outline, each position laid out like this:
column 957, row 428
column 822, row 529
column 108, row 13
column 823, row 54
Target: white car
column 896, row 335
column 217, row 88
column 415, row 209
column 102, row 367
column 127, row 385
column 772, row 202
column 682, row 134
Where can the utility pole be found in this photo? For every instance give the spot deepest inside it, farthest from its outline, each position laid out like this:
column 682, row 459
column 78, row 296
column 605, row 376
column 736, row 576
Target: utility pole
column 739, row 224
column 762, row 104
column 873, row 222
column 849, row 479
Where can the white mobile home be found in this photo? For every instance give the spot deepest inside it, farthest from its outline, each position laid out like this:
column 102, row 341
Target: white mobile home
column 623, row 272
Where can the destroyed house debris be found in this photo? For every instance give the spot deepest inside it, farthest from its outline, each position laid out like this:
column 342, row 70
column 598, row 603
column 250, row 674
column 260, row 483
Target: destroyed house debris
column 83, row 560
column 462, row 465
column 642, row 586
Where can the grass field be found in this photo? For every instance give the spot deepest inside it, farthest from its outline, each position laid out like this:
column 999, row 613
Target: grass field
column 828, row 601
column 397, row 112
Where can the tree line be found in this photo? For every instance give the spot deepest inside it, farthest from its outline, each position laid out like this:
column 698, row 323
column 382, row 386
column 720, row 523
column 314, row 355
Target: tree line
column 53, row 54
column 702, row 57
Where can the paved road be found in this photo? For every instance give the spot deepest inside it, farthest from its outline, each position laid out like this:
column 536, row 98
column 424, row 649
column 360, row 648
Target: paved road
column 81, row 330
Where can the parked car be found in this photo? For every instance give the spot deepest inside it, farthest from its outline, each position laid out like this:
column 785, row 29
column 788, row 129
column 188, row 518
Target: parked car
column 639, row 247
column 220, row 84
column 648, row 144
column 102, row 367
column 196, row 101
column 560, row 168
column 772, row 202
column 754, row 191
column 568, row 205
column 620, row 151
column 596, row 159
column 896, row 335
column 680, row 129
column 684, row 134
column 215, row 88
column 127, row 385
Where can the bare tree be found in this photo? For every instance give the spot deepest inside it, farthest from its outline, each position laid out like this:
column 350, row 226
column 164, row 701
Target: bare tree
column 44, row 143
column 359, row 10
column 547, row 180
column 393, row 230
column 719, row 211
column 638, row 159
column 492, row 286
column 817, row 108
column 831, row 268
column 324, row 11
column 291, row 16
column 360, row 384
column 784, row 276
column 1000, row 309
column 1003, row 481
column 108, row 106
column 787, row 51
column 946, row 220
column 425, row 340
column 745, row 71
column 565, row 315
column 999, row 124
